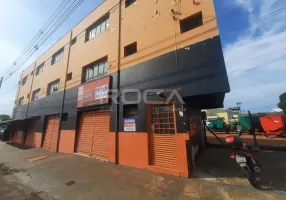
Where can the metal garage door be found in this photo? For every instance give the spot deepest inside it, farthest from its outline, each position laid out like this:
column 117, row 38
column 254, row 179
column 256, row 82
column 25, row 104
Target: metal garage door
column 51, row 133
column 93, row 134
column 163, row 137
column 17, row 136
column 30, row 139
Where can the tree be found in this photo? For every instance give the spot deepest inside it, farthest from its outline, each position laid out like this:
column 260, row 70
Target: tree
column 282, row 103
column 4, row 117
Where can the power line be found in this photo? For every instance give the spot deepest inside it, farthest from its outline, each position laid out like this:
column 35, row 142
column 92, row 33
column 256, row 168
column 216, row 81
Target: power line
column 59, row 25
column 52, row 29
column 32, row 51
column 257, row 39
column 37, row 36
column 257, row 57
column 109, row 11
column 2, row 95
column 276, row 12
column 63, row 19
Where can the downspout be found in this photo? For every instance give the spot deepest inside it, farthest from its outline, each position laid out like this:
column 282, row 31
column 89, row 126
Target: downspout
column 64, row 95
column 118, row 87
column 30, row 94
column 17, row 97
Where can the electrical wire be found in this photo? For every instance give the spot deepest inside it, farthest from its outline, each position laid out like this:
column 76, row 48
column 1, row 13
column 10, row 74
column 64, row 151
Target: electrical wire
column 37, row 36
column 2, row 95
column 50, row 34
column 257, row 39
column 112, row 8
column 64, row 15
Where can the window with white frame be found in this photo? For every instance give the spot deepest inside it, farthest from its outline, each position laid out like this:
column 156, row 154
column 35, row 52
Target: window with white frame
column 95, row 70
column 58, row 56
column 53, row 87
column 36, row 95
column 97, row 28
column 40, row 69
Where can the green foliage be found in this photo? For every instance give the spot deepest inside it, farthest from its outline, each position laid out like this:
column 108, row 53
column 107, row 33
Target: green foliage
column 282, row 103
column 4, row 117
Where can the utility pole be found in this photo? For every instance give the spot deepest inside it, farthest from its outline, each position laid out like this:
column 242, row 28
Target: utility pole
column 1, row 80
column 238, row 104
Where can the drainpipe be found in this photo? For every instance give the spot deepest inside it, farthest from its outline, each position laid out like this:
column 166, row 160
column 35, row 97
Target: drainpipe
column 118, row 87
column 17, row 97
column 30, row 93
column 64, row 95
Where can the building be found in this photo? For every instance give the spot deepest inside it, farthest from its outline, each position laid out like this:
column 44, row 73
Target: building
column 225, row 115
column 65, row 100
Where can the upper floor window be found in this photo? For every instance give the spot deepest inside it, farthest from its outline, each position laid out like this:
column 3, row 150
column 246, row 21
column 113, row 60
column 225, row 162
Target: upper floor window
column 73, row 41
column 20, row 101
column 98, row 27
column 53, row 87
column 58, row 56
column 129, row 2
column 36, row 95
column 40, row 69
column 191, row 22
column 130, row 49
column 95, row 70
column 24, row 80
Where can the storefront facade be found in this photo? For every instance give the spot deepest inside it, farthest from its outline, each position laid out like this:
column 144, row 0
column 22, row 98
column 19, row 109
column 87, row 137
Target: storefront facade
column 130, row 103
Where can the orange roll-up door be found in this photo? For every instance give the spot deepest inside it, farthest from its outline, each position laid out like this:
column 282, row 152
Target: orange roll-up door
column 51, row 133
column 101, row 135
column 85, row 133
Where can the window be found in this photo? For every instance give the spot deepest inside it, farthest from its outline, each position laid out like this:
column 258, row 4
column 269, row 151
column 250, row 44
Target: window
column 28, row 96
column 36, row 95
column 58, row 56
column 191, row 22
column 53, row 87
column 163, row 118
column 93, row 71
column 21, row 101
column 73, row 41
column 130, row 111
column 130, row 49
column 129, row 2
column 69, row 76
column 24, row 80
column 97, row 28
column 40, row 69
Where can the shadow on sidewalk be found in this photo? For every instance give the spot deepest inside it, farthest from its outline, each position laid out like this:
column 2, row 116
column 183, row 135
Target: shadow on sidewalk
column 216, row 163
column 18, row 146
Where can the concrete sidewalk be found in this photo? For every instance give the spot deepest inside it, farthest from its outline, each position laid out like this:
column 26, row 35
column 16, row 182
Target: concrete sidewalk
column 68, row 176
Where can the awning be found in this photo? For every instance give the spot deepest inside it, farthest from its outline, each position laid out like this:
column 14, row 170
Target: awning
column 14, row 120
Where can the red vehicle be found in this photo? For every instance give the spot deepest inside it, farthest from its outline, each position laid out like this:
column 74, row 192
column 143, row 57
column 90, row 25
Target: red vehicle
column 274, row 125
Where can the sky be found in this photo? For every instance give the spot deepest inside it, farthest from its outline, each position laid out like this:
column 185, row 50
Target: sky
column 253, row 35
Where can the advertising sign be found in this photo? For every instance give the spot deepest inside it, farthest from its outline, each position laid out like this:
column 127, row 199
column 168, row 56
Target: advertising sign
column 93, row 93
column 129, row 125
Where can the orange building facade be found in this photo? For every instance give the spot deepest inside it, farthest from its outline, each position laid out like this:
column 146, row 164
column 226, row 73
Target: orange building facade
column 127, row 85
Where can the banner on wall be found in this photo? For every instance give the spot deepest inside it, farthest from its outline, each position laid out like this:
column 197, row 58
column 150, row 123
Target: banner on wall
column 93, row 93
column 129, row 125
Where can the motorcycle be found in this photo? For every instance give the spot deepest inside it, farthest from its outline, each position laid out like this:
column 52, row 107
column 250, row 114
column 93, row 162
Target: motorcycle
column 249, row 166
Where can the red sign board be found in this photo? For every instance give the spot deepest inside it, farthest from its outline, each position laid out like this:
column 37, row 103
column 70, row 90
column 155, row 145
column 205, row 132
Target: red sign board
column 93, row 93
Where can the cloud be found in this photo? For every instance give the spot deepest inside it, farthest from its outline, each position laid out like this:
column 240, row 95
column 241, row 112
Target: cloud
column 256, row 60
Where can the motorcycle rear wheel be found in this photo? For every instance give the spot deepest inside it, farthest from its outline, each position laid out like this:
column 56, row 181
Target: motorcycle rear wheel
column 250, row 174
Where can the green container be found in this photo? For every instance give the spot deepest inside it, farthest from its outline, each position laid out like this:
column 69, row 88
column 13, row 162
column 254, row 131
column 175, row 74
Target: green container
column 216, row 125
column 246, row 123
